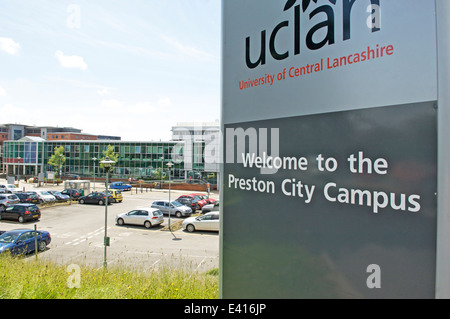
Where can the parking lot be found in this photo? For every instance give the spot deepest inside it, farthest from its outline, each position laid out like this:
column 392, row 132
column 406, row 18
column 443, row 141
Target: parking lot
column 78, row 231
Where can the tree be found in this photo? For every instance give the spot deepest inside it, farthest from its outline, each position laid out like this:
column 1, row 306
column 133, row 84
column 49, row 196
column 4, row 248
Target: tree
column 109, row 152
column 58, row 159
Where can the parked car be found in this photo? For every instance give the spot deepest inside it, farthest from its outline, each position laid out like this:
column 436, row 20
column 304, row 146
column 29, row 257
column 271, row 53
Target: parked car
column 21, row 212
column 204, row 197
column 22, row 241
column 95, row 198
column 120, row 186
column 7, row 199
column 174, row 208
column 28, row 198
column 12, row 188
column 189, row 202
column 201, row 202
column 211, row 207
column 58, row 195
column 148, row 217
column 209, row 221
column 72, row 192
column 116, row 194
column 45, row 196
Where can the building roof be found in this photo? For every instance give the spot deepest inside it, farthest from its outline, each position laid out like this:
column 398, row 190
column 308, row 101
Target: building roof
column 32, row 139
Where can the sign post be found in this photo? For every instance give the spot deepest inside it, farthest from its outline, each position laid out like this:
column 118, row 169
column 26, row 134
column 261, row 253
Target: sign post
column 330, row 123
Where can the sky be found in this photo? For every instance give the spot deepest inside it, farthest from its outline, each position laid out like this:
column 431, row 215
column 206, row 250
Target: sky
column 110, row 67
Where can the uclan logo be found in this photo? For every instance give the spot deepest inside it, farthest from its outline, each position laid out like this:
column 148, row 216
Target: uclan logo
column 373, row 22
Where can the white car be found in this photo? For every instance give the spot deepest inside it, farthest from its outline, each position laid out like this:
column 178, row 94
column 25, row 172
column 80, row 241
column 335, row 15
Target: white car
column 13, row 188
column 145, row 216
column 10, row 188
column 209, row 221
column 45, row 196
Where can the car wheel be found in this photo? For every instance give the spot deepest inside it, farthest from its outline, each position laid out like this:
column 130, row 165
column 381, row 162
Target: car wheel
column 2, row 208
column 81, row 201
column 100, row 202
column 120, row 222
column 21, row 219
column 190, row 228
column 147, row 224
column 178, row 214
column 42, row 245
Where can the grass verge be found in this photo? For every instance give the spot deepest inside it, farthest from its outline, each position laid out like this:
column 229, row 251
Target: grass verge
column 23, row 278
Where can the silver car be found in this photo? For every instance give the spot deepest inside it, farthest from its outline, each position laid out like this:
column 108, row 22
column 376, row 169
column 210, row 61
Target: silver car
column 8, row 199
column 148, row 217
column 209, row 221
column 211, row 207
column 175, row 208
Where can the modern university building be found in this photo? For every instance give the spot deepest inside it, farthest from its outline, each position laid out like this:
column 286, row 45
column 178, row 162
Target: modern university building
column 29, row 156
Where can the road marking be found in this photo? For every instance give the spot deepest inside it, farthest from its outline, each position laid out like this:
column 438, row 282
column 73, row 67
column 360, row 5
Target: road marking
column 84, row 238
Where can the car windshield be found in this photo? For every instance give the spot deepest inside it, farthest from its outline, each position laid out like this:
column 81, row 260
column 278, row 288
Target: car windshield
column 176, row 204
column 45, row 193
column 8, row 237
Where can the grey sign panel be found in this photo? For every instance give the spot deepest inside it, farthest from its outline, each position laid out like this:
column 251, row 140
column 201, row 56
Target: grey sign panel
column 349, row 210
column 374, row 53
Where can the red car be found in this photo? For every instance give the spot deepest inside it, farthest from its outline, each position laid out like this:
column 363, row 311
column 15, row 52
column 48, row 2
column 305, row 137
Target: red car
column 202, row 196
column 200, row 201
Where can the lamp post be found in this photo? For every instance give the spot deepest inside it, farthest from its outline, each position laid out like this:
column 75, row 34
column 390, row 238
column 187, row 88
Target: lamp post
column 161, row 175
column 94, row 159
column 18, row 170
column 107, row 162
column 170, row 164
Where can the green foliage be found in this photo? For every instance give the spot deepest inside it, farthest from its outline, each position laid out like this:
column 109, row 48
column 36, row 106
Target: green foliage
column 109, row 152
column 30, row 279
column 58, row 159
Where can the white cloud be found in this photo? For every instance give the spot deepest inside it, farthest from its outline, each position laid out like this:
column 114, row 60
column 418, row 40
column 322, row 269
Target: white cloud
column 112, row 104
column 2, row 91
column 9, row 46
column 71, row 61
column 143, row 108
column 188, row 50
column 103, row 91
column 165, row 101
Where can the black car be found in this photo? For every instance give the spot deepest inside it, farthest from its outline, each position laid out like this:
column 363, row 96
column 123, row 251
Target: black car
column 21, row 212
column 189, row 202
column 72, row 192
column 95, row 198
column 28, row 198
column 59, row 196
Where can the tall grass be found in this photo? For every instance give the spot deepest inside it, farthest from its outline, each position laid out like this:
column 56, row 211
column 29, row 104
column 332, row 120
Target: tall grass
column 30, row 279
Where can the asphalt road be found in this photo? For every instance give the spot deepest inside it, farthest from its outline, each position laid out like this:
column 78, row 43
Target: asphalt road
column 78, row 231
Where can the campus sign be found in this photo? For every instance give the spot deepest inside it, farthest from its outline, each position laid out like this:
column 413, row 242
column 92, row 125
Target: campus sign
column 329, row 116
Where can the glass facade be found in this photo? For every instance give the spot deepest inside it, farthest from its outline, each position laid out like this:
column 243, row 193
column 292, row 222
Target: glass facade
column 138, row 160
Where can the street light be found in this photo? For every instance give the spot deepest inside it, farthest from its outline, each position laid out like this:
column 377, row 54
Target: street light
column 94, row 159
column 162, row 168
column 18, row 170
column 107, row 162
column 170, row 164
